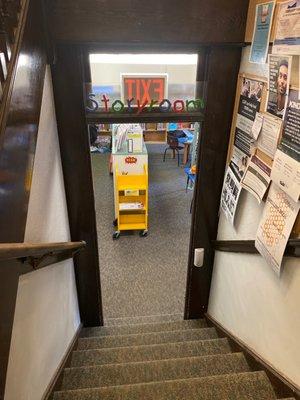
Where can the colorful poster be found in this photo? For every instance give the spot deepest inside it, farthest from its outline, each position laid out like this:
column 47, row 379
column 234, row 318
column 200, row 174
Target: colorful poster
column 290, row 142
column 249, row 105
column 261, row 34
column 269, row 136
column 230, row 193
column 287, row 35
column 256, row 179
column 279, row 82
column 279, row 215
column 286, row 174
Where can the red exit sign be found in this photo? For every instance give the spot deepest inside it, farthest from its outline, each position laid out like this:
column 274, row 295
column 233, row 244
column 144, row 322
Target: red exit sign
column 144, row 87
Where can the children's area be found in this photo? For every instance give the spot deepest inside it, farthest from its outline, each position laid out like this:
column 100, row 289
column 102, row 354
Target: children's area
column 144, row 175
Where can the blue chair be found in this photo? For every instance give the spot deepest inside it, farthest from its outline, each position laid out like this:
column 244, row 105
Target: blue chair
column 190, row 177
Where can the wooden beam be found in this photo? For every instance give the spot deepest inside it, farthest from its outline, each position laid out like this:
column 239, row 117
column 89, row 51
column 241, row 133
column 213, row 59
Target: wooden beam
column 141, row 21
column 68, row 82
column 114, row 118
column 217, row 81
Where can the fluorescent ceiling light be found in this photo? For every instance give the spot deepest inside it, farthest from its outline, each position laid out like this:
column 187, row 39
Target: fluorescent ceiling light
column 156, row 59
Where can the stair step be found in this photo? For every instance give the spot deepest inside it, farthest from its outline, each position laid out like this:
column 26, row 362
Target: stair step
column 147, row 319
column 143, row 328
column 242, row 386
column 149, row 352
column 146, row 338
column 151, row 371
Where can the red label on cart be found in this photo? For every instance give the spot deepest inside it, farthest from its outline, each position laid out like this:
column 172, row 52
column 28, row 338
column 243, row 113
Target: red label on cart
column 130, row 160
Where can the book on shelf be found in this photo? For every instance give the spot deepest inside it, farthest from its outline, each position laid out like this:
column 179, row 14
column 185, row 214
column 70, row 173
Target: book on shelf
column 131, row 206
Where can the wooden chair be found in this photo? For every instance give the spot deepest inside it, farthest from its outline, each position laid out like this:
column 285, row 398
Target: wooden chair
column 173, row 145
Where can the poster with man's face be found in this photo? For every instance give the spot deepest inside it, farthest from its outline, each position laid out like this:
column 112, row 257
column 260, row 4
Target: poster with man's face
column 279, row 82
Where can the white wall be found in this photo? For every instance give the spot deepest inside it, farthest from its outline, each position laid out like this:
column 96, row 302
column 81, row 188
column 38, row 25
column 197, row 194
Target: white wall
column 246, row 295
column 46, row 316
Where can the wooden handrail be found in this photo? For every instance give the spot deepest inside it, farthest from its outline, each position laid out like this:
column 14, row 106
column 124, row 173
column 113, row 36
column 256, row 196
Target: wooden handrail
column 248, row 246
column 9, row 251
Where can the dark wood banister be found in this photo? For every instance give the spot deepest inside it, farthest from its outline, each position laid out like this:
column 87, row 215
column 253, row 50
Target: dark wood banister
column 248, row 246
column 40, row 255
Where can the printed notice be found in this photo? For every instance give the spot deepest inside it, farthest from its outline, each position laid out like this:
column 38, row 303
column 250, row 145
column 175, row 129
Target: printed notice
column 249, row 105
column 269, row 137
column 287, row 35
column 277, row 222
column 257, row 125
column 261, row 34
column 290, row 142
column 256, row 178
column 279, row 82
column 286, row 174
column 230, row 193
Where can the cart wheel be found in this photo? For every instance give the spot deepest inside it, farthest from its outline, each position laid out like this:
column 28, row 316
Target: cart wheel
column 116, row 235
column 144, row 233
column 115, row 222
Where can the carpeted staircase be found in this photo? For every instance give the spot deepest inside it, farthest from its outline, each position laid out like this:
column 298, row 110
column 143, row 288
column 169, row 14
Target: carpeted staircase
column 173, row 360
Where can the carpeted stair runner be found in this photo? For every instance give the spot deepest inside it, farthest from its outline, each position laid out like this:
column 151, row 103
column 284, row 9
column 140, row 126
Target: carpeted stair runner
column 173, row 360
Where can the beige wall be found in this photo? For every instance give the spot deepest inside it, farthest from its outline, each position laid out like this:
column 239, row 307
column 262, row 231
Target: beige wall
column 246, row 295
column 46, row 316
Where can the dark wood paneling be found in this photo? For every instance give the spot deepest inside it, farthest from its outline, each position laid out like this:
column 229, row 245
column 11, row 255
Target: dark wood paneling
column 282, row 386
column 68, row 83
column 143, row 21
column 19, row 135
column 220, row 69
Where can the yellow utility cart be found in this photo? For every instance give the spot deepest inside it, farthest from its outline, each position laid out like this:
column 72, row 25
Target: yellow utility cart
column 131, row 202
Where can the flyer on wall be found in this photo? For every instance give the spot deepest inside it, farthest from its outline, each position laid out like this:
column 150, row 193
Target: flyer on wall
column 287, row 34
column 249, row 105
column 278, row 83
column 279, row 215
column 286, row 174
column 286, row 166
column 261, row 34
column 256, row 179
column 230, row 193
column 269, row 136
column 290, row 142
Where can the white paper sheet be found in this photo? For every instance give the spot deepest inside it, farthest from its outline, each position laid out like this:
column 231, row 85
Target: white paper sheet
column 286, row 174
column 274, row 230
column 269, row 136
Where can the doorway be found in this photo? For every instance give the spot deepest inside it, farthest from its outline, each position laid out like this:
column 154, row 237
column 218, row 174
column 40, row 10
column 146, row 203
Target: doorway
column 145, row 277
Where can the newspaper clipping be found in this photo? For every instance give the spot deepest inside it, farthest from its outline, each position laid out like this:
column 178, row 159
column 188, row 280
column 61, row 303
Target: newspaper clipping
column 277, row 222
column 230, row 193
column 279, row 81
column 256, row 178
column 269, row 136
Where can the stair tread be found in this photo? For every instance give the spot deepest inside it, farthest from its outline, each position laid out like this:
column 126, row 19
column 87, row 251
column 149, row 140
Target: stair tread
column 145, row 319
column 150, row 352
column 143, row 328
column 146, row 338
column 238, row 386
column 157, row 370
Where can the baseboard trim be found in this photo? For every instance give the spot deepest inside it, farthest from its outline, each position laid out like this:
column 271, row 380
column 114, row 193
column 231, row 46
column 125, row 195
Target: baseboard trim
column 282, row 386
column 55, row 381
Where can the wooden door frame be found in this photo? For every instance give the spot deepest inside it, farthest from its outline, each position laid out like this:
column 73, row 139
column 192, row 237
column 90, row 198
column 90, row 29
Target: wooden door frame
column 214, row 64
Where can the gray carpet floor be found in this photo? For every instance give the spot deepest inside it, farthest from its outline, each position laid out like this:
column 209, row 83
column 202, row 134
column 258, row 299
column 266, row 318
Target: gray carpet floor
column 145, row 276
